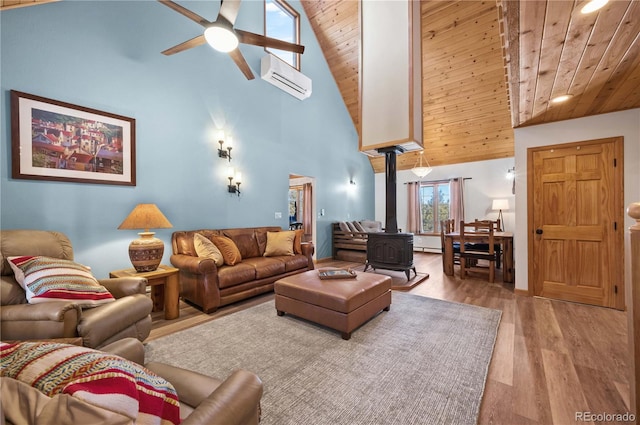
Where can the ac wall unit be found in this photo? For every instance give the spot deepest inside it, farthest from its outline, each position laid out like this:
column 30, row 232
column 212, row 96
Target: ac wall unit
column 285, row 77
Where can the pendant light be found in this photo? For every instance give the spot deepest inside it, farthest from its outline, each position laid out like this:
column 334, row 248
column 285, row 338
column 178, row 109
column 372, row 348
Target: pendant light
column 419, row 169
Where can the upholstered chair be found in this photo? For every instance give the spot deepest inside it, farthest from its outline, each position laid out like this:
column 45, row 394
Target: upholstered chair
column 203, row 399
column 126, row 316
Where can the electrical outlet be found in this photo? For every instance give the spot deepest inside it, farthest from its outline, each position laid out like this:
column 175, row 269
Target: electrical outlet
column 278, row 215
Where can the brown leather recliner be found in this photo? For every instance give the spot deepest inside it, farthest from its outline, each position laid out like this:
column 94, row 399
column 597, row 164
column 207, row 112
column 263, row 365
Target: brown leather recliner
column 203, row 399
column 127, row 316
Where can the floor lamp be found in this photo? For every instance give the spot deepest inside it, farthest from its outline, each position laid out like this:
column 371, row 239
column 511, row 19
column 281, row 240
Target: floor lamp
column 500, row 204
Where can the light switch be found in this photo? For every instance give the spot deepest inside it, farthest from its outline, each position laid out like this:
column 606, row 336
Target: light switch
column 278, row 215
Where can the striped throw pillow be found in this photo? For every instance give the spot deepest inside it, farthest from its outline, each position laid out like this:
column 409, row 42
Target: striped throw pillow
column 46, row 279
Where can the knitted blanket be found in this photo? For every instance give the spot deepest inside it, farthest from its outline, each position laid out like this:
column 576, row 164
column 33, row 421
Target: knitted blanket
column 98, row 378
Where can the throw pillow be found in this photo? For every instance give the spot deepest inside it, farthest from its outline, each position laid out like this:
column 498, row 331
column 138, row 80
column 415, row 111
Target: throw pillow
column 98, row 378
column 359, row 227
column 352, row 227
column 343, row 226
column 279, row 243
column 245, row 240
column 206, row 248
column 229, row 250
column 47, row 279
column 297, row 241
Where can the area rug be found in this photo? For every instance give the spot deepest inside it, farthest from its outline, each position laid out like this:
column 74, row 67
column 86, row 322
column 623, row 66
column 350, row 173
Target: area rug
column 423, row 362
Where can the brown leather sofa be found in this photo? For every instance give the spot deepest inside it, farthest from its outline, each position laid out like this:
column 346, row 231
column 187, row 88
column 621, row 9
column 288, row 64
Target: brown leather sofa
column 203, row 399
column 127, row 316
column 209, row 287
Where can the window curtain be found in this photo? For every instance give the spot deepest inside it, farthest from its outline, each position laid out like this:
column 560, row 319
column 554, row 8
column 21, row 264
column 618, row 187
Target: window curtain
column 413, row 209
column 307, row 211
column 457, row 201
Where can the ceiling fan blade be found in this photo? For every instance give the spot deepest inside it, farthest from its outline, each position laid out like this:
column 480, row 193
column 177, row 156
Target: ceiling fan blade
column 195, row 41
column 264, row 41
column 237, row 57
column 229, row 10
column 186, row 12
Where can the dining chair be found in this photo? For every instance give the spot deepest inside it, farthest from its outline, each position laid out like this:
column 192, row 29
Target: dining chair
column 472, row 251
column 485, row 247
column 447, row 226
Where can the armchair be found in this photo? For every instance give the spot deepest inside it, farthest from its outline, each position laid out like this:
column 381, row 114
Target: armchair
column 127, row 316
column 203, row 399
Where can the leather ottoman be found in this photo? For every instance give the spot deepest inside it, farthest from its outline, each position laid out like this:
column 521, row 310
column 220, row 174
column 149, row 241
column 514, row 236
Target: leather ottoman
column 340, row 304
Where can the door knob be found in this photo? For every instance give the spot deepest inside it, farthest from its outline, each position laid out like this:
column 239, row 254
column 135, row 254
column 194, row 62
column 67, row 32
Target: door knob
column 538, row 231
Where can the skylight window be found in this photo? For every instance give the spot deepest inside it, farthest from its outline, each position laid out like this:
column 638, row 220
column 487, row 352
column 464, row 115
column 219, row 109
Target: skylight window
column 281, row 21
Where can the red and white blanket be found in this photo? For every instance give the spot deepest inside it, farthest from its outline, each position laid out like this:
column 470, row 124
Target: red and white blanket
column 98, row 378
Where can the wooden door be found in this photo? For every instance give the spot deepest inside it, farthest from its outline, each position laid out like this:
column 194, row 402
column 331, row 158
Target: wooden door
column 576, row 222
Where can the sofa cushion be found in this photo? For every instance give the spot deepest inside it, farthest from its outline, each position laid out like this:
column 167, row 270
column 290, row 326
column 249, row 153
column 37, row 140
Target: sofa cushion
column 245, row 240
column 205, row 248
column 265, row 266
column 229, row 250
column 100, row 379
column 279, row 243
column 235, row 275
column 371, row 226
column 352, row 227
column 293, row 263
column 47, row 279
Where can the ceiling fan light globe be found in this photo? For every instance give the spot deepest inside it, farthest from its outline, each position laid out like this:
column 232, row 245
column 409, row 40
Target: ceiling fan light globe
column 221, row 38
column 421, row 171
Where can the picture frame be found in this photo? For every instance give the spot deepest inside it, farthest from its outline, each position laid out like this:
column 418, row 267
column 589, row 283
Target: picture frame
column 59, row 141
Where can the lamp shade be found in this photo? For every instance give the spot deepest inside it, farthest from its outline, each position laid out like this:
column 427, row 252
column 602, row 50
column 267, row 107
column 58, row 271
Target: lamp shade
column 146, row 252
column 500, row 204
column 145, row 216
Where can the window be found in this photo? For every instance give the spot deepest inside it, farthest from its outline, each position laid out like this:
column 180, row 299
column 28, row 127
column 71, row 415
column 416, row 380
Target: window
column 281, row 21
column 296, row 203
column 434, row 205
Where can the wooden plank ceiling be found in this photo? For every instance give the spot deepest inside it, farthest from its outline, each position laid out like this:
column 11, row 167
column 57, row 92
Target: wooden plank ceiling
column 12, row 4
column 491, row 66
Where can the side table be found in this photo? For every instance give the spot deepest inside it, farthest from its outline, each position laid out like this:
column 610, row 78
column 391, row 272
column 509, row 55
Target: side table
column 165, row 288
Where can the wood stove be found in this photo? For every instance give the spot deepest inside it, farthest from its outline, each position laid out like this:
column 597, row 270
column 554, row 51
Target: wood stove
column 390, row 250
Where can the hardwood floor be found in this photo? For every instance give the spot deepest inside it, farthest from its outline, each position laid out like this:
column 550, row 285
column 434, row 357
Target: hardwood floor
column 551, row 358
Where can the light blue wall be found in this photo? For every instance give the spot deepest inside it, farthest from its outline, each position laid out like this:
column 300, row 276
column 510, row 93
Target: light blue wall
column 106, row 55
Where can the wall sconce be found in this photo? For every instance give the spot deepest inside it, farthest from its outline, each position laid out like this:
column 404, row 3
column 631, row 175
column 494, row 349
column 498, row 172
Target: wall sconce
column 231, row 175
column 222, row 153
column 511, row 173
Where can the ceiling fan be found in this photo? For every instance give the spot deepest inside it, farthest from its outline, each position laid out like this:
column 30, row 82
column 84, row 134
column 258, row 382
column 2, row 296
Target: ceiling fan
column 222, row 36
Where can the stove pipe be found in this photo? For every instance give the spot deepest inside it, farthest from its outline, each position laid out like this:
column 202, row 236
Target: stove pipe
column 391, row 216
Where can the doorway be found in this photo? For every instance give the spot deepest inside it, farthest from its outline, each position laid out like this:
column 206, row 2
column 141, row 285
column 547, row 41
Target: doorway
column 576, row 233
column 302, row 210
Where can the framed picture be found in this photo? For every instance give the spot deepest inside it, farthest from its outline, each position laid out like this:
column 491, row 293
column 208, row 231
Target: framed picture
column 52, row 140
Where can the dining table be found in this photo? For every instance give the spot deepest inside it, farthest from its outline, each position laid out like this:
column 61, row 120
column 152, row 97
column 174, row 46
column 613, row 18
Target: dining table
column 505, row 239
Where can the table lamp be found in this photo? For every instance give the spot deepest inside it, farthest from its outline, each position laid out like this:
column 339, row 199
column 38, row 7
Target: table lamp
column 500, row 204
column 146, row 252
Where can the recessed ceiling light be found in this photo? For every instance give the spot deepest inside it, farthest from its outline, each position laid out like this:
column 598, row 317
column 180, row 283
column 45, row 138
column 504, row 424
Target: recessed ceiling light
column 560, row 99
column 593, row 5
